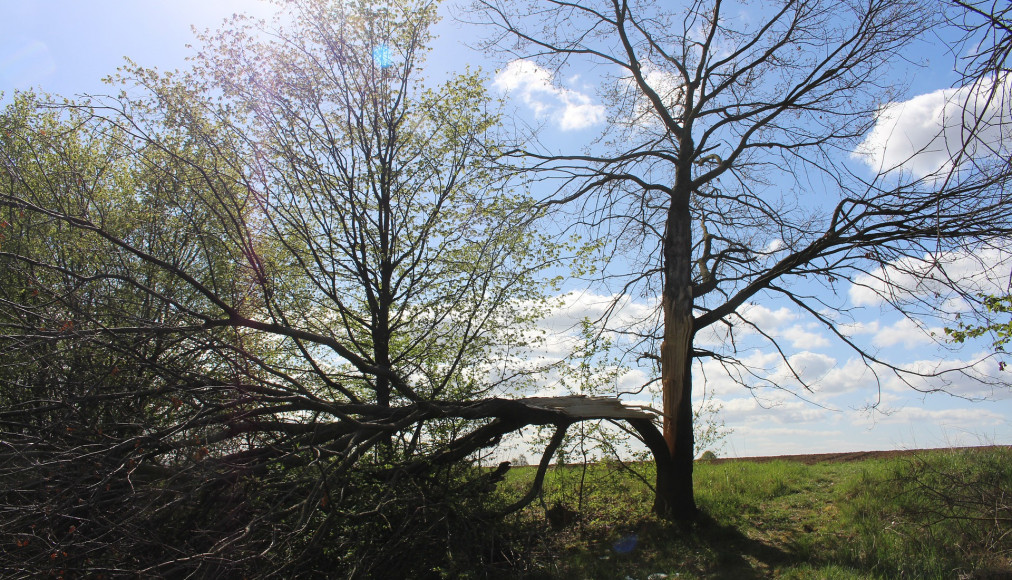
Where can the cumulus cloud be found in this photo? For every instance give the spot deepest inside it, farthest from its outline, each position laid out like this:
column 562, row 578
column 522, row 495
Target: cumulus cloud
column 906, row 333
column 858, row 328
column 724, row 377
column 749, row 410
column 820, row 377
column 557, row 338
column 922, row 135
column 975, row 377
column 965, row 418
column 853, row 375
column 811, row 366
column 764, row 317
column 774, row 246
column 777, row 323
column 536, row 87
column 622, row 311
column 800, row 337
column 768, row 373
column 638, row 110
column 985, row 271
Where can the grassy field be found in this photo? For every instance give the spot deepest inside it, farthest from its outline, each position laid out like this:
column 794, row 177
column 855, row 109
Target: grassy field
column 929, row 514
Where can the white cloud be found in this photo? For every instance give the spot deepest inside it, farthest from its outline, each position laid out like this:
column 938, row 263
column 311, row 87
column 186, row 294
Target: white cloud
column 727, row 377
column 570, row 109
column 854, row 375
column 975, row 377
column 633, row 381
column 637, row 110
column 904, row 332
column 623, row 312
column 774, row 246
column 985, row 271
column 821, row 373
column 776, row 323
column 764, row 317
column 921, row 135
column 801, row 338
column 857, row 328
column 811, row 366
column 559, row 338
column 967, row 418
column 715, row 335
column 749, row 410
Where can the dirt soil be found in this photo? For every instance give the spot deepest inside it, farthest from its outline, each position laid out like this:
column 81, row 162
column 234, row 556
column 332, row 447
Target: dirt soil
column 849, row 456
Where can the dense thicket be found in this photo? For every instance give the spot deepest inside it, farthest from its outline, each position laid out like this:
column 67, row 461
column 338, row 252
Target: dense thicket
column 254, row 315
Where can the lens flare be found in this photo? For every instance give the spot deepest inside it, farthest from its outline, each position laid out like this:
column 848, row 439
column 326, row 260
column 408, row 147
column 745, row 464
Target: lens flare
column 383, row 56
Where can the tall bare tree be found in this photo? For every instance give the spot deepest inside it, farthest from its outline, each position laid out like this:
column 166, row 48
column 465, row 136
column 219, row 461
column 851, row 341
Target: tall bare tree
column 725, row 175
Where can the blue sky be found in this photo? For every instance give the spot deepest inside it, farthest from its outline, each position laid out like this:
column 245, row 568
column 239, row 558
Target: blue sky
column 66, row 47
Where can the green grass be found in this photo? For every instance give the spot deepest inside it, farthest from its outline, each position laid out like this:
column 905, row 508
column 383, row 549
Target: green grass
column 937, row 514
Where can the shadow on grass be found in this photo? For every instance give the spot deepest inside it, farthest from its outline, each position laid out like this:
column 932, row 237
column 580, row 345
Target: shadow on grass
column 701, row 549
column 726, row 552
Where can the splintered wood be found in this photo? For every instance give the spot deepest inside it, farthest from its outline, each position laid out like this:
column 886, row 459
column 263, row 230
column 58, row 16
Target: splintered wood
column 584, row 407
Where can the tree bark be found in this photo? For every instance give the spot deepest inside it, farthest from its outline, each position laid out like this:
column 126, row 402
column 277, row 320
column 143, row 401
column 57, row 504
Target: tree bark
column 674, row 499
